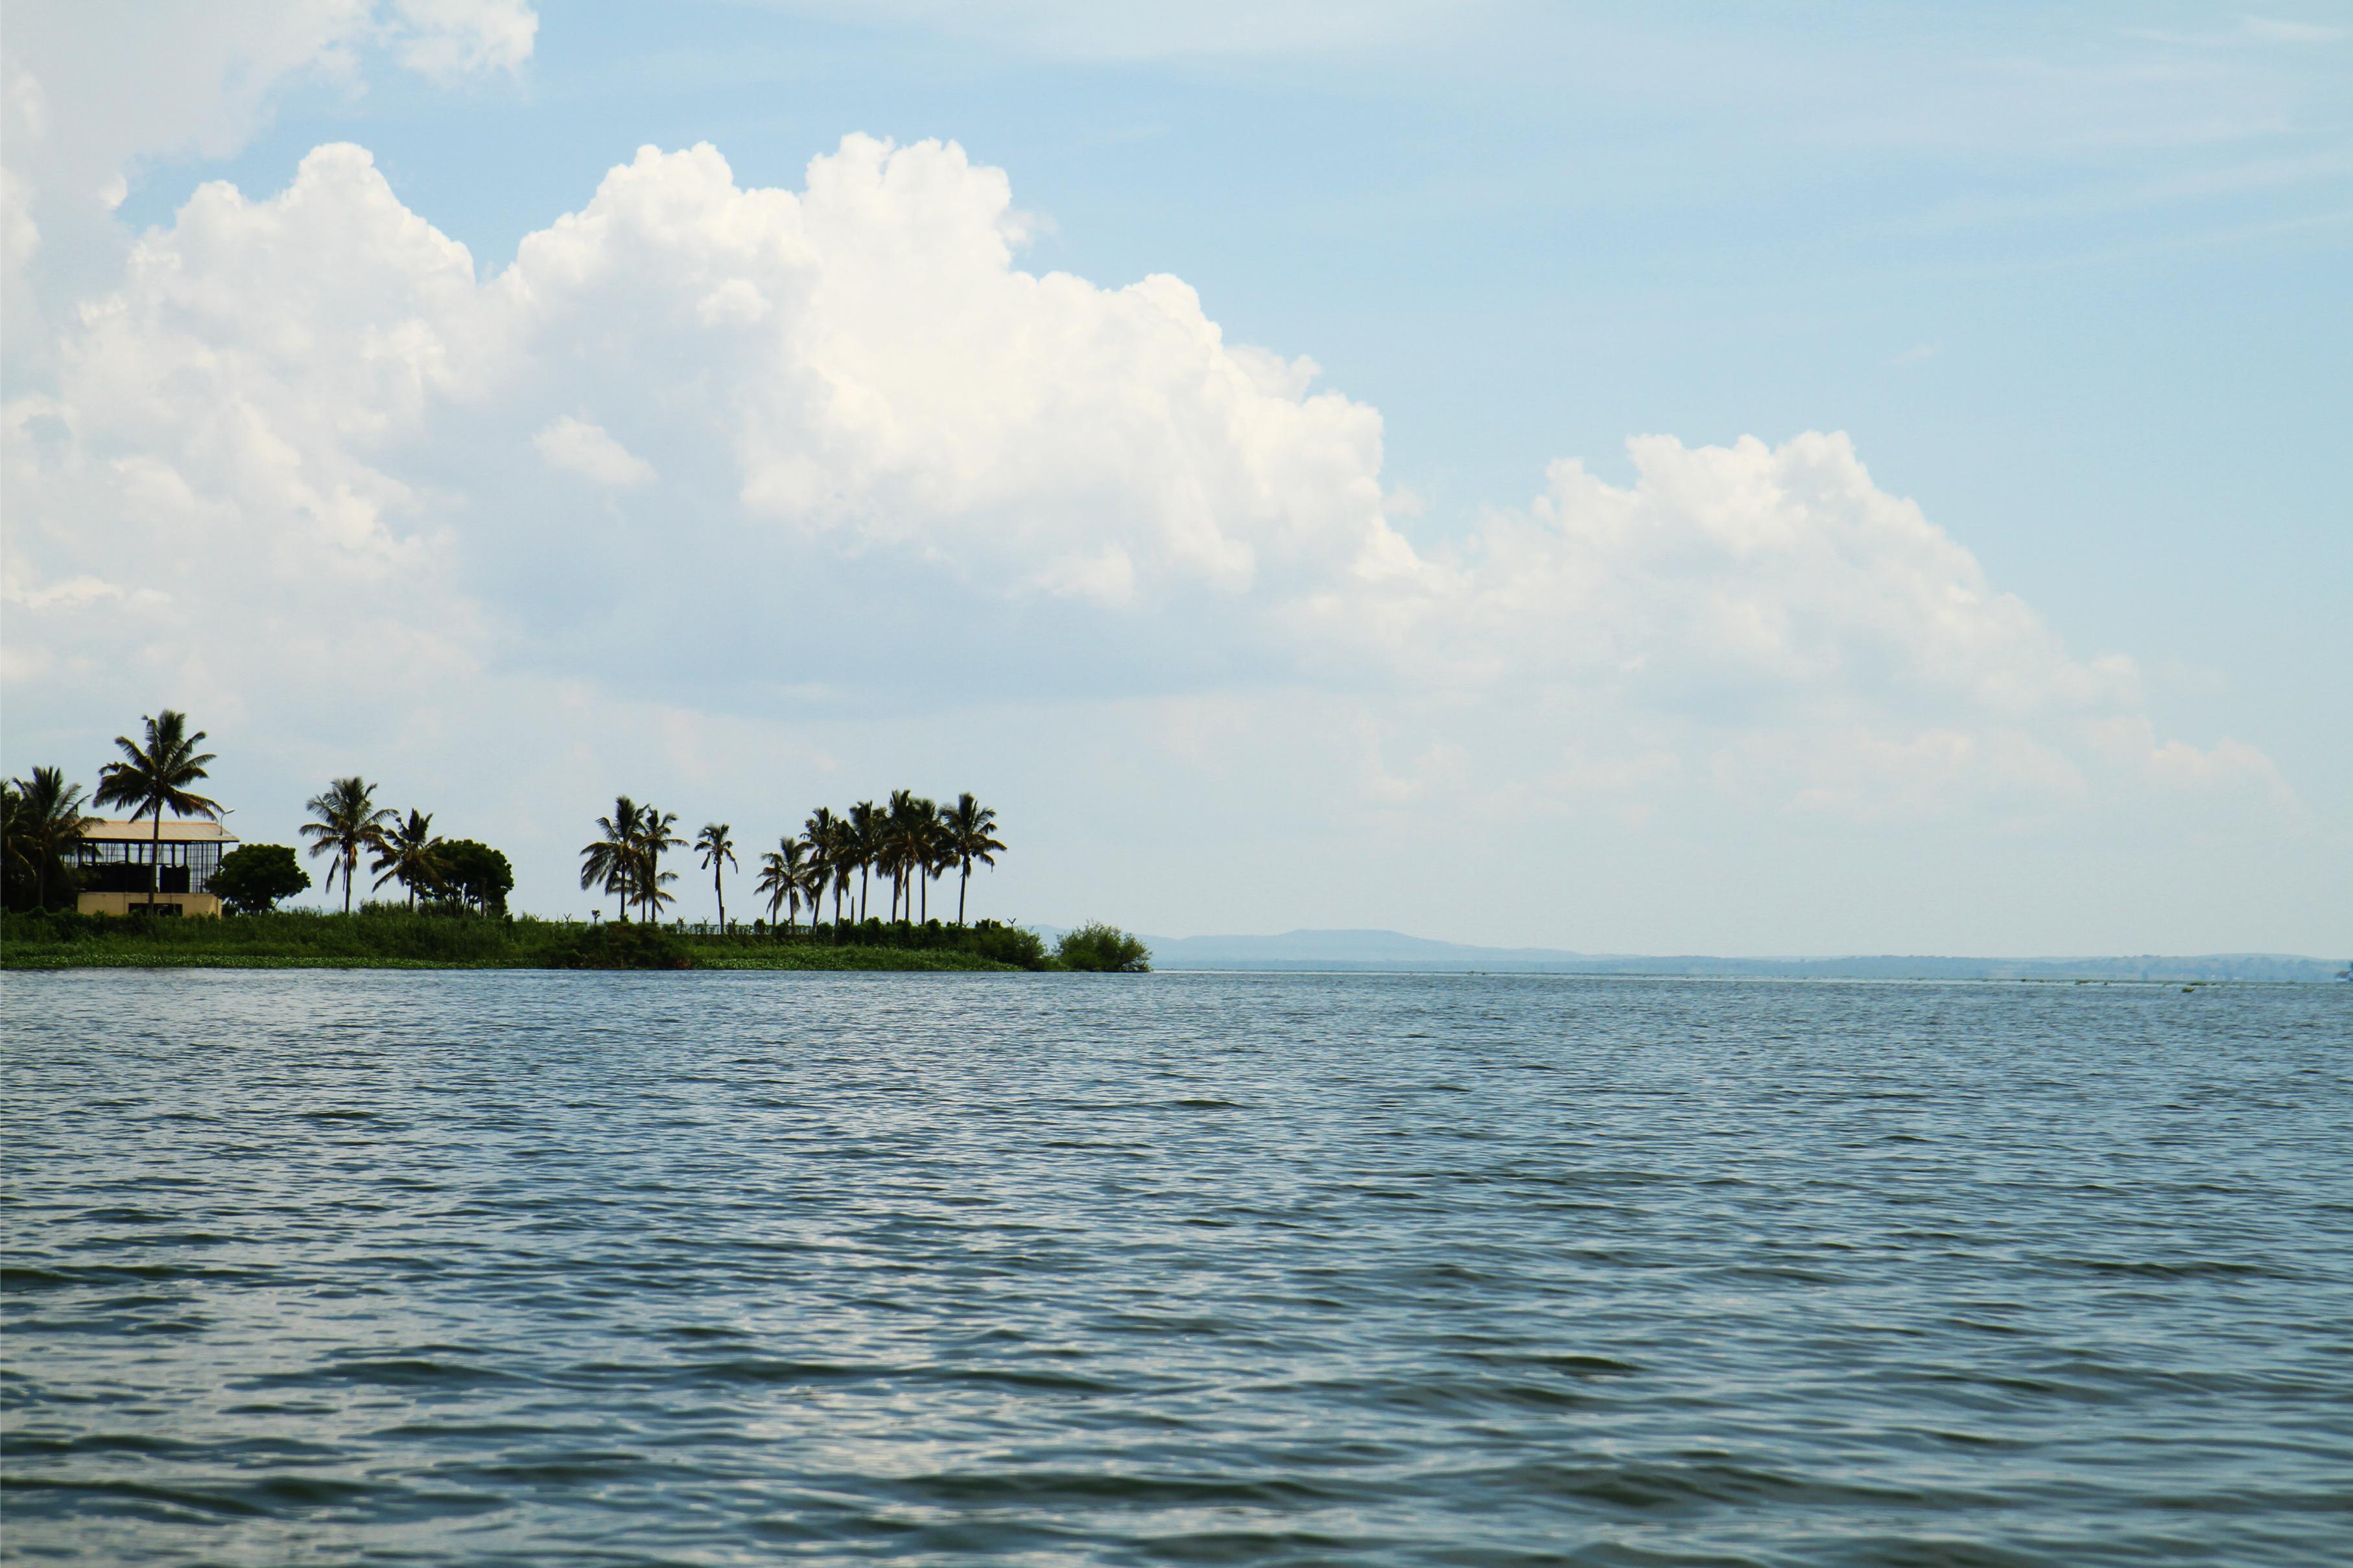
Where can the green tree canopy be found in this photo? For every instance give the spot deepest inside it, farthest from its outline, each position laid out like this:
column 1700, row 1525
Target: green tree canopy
column 253, row 876
column 476, row 874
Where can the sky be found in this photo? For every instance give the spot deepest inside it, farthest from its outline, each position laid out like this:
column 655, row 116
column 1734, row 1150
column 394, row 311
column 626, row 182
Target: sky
column 1739, row 478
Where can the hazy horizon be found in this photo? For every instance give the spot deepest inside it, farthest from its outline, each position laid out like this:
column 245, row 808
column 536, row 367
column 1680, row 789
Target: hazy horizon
column 1726, row 483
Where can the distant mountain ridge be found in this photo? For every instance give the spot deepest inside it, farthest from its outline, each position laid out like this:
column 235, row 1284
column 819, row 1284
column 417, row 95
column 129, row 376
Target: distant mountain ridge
column 1394, row 951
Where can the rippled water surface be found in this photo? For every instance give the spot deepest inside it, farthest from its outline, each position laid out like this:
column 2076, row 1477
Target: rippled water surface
column 708, row 1268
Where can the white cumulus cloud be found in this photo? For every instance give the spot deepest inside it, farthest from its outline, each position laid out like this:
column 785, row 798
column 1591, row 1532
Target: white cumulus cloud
column 589, row 451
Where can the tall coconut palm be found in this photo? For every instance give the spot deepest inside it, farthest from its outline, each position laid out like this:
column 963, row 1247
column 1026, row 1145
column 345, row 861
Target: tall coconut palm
column 45, row 825
column 155, row 778
column 654, row 836
column 890, row 852
column 907, row 834
column 827, row 838
column 715, row 846
column 817, row 874
column 12, row 850
column 971, row 837
column 409, row 853
column 784, row 877
column 844, row 862
column 347, row 821
column 607, row 861
column 865, row 845
column 927, row 847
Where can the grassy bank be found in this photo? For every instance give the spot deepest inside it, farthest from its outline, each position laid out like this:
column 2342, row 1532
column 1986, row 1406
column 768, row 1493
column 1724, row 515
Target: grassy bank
column 397, row 939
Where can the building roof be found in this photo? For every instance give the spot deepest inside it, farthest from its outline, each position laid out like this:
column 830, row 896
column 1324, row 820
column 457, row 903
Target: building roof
column 177, row 830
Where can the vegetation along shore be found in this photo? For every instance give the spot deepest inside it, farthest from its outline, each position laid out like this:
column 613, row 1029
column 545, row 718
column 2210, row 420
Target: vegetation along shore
column 84, row 892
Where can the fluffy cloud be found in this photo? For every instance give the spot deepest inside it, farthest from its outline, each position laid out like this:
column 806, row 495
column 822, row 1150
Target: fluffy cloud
column 578, row 446
column 801, row 452
column 91, row 90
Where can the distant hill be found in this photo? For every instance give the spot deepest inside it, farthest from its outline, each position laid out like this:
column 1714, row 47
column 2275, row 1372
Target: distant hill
column 1393, row 950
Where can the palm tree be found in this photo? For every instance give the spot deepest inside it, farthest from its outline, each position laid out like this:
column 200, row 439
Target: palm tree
column 827, row 837
column 155, row 778
column 12, row 850
column 817, row 872
column 890, row 846
column 864, row 847
column 45, row 825
column 927, row 842
column 907, row 847
column 408, row 851
column 971, row 837
column 713, row 844
column 784, row 873
column 654, row 835
column 348, row 820
column 607, row 860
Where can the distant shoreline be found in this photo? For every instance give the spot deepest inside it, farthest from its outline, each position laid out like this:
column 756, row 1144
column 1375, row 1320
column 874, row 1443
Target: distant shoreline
column 1392, row 952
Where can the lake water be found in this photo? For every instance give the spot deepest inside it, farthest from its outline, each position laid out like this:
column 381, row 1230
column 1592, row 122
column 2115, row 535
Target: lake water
column 715, row 1269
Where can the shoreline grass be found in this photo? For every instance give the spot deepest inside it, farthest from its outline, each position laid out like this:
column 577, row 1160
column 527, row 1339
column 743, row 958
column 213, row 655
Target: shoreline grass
column 382, row 938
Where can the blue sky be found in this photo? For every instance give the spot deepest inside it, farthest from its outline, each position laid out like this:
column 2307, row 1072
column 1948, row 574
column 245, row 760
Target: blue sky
column 2073, row 281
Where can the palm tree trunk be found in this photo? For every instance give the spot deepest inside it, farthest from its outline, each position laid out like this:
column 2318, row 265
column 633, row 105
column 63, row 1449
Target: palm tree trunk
column 963, row 882
column 155, row 860
column 350, row 869
column 722, row 891
column 924, row 884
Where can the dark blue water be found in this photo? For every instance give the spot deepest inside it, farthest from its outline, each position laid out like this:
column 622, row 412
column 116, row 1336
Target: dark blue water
column 715, row 1268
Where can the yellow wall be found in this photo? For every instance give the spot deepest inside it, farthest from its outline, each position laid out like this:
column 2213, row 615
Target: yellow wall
column 196, row 905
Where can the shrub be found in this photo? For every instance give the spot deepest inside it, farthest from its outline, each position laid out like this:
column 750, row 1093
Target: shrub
column 1005, row 944
column 616, row 944
column 251, row 879
column 1103, row 948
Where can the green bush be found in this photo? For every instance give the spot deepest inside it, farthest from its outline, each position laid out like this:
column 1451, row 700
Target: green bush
column 1005, row 944
column 1104, row 949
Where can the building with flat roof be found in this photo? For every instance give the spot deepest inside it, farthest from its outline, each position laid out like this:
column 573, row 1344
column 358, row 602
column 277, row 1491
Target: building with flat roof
column 116, row 858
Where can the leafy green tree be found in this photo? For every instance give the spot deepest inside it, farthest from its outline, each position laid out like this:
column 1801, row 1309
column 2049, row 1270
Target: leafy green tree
column 1103, row 948
column 253, row 876
column 153, row 778
column 45, row 829
column 409, row 854
column 971, row 837
column 715, row 846
column 476, row 874
column 345, row 821
column 607, row 860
